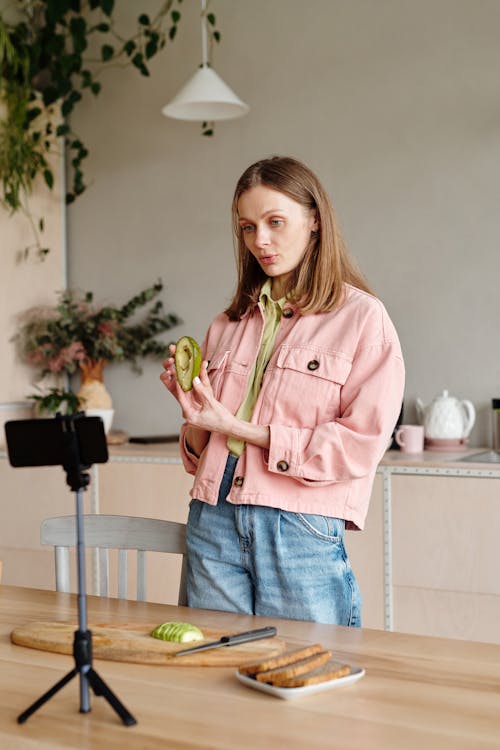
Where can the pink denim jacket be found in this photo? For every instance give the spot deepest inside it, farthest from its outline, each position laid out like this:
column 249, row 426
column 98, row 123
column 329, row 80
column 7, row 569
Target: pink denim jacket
column 331, row 395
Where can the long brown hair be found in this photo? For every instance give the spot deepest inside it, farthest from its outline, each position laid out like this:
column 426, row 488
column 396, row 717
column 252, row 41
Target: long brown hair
column 316, row 285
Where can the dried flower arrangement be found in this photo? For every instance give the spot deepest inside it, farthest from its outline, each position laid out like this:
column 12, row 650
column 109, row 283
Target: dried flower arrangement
column 76, row 335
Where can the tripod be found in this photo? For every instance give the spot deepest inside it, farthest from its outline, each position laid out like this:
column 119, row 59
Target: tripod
column 78, row 479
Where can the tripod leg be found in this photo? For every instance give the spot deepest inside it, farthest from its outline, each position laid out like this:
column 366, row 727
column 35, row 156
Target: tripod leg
column 84, row 693
column 100, row 688
column 46, row 696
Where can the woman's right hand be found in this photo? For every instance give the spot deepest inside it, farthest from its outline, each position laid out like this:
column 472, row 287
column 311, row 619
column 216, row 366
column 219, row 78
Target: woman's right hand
column 195, row 437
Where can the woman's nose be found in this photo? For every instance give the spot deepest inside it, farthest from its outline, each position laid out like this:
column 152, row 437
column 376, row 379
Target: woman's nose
column 262, row 236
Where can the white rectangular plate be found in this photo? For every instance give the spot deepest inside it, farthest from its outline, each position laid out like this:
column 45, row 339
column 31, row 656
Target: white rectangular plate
column 290, row 693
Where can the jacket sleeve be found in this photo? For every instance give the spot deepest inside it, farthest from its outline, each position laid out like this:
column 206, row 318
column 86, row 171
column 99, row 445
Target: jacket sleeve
column 352, row 445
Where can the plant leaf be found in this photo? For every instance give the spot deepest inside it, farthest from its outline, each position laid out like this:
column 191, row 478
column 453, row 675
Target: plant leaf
column 49, row 178
column 107, row 52
column 107, row 6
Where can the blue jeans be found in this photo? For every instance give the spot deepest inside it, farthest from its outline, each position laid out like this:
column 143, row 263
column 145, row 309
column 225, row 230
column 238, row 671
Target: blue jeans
column 266, row 561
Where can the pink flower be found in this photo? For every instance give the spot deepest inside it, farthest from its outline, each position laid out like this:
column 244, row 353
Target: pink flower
column 107, row 328
column 36, row 357
column 56, row 364
column 75, row 352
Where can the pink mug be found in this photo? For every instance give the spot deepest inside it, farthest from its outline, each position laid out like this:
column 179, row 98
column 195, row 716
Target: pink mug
column 410, row 438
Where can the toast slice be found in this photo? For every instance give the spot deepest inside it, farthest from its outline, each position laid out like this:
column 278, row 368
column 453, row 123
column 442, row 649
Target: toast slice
column 288, row 657
column 288, row 671
column 331, row 670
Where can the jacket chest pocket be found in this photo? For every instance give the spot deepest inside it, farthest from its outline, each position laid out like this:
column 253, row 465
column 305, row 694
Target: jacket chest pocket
column 310, row 382
column 216, row 367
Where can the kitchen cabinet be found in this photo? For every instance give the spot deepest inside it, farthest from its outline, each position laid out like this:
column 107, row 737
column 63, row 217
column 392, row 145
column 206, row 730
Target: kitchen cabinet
column 436, row 521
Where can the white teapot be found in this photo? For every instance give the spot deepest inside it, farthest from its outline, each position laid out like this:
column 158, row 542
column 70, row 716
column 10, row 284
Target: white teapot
column 446, row 418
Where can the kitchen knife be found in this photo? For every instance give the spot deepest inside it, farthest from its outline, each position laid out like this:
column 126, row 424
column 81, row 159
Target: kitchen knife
column 232, row 640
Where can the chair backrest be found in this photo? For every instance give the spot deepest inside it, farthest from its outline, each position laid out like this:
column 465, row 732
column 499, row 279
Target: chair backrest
column 122, row 533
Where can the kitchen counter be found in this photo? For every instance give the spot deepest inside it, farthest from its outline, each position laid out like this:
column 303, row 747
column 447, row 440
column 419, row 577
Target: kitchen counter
column 164, row 452
column 169, row 453
column 439, row 460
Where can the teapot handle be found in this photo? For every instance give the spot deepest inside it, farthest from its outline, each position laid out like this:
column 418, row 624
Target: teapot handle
column 471, row 416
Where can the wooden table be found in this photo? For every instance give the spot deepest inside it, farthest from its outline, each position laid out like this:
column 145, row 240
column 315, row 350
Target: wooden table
column 418, row 692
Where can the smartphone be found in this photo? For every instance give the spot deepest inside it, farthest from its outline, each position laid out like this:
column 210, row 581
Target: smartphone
column 44, row 442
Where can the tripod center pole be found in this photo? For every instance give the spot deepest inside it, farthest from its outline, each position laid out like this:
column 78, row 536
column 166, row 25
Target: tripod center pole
column 80, row 549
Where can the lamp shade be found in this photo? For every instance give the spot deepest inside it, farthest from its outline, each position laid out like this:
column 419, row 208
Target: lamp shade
column 205, row 97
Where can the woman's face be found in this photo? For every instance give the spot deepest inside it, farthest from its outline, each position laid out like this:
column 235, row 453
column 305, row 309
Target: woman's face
column 276, row 230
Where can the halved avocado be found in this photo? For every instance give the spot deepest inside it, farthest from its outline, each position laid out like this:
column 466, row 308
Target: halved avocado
column 187, row 361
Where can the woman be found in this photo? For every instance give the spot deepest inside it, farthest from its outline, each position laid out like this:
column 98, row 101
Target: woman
column 295, row 403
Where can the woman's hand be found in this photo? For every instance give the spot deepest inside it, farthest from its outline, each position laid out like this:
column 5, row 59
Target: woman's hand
column 195, row 439
column 169, row 375
column 205, row 414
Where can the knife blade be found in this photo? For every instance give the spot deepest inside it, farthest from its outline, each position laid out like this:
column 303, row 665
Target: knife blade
column 232, row 640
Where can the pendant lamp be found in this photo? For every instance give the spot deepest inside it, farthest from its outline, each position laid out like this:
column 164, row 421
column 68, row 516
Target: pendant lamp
column 205, row 97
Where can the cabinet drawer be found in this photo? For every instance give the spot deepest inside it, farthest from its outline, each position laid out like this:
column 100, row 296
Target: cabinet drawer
column 447, row 614
column 445, row 533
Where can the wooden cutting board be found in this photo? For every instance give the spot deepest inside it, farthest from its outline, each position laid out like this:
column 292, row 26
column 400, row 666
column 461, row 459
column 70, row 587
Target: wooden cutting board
column 133, row 643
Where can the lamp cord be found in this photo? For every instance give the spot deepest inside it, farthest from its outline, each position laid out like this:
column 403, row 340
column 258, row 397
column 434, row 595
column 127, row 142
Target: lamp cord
column 204, row 41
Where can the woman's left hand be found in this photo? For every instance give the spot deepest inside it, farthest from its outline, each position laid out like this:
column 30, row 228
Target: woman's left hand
column 201, row 409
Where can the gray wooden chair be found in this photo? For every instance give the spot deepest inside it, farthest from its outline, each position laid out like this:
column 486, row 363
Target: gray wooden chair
column 122, row 533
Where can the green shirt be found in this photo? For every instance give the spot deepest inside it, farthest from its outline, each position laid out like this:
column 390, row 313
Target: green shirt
column 272, row 310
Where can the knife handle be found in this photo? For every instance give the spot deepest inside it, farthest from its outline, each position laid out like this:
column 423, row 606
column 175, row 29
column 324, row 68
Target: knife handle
column 249, row 635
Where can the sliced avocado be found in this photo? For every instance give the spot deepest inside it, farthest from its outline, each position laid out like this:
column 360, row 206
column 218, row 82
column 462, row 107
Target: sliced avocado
column 177, row 632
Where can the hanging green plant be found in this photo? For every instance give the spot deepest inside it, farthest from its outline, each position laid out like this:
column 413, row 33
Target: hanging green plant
column 46, row 67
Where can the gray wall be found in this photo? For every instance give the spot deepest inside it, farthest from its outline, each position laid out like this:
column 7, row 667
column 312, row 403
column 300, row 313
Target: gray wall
column 394, row 103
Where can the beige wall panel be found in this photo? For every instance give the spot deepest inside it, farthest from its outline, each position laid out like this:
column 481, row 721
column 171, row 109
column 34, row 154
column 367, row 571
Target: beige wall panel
column 365, row 550
column 445, row 533
column 145, row 489
column 27, row 496
column 447, row 614
column 35, row 568
column 152, row 491
column 28, row 567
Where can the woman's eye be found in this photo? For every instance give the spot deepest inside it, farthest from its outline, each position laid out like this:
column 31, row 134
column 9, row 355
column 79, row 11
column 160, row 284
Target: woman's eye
column 276, row 222
column 246, row 227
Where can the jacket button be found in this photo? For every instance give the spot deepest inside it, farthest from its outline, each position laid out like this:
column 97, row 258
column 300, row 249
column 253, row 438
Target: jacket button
column 238, row 481
column 288, row 312
column 282, row 466
column 313, row 364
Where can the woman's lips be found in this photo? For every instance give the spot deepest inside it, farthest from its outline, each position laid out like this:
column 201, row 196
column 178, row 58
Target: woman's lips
column 268, row 259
